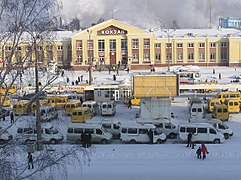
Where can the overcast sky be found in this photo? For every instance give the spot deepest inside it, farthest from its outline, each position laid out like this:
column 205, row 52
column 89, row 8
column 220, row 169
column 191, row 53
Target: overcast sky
column 152, row 13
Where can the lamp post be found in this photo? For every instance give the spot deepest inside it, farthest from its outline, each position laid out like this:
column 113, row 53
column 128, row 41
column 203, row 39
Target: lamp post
column 168, row 32
column 37, row 111
column 89, row 57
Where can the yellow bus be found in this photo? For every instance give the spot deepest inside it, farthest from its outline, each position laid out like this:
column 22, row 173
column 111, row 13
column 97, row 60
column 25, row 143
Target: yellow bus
column 211, row 103
column 9, row 89
column 21, row 107
column 57, row 101
column 5, row 101
column 41, row 103
column 70, row 106
column 81, row 114
column 233, row 105
column 220, row 111
column 225, row 95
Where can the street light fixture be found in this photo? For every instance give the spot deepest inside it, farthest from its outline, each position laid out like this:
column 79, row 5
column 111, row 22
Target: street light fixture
column 168, row 32
column 90, row 57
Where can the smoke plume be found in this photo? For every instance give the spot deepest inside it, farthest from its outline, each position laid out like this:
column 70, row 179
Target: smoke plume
column 152, row 13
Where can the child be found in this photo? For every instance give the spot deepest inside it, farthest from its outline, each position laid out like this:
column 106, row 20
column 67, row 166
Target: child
column 199, row 152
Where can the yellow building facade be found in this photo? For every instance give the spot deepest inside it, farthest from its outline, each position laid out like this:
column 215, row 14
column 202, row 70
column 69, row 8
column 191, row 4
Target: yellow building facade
column 114, row 43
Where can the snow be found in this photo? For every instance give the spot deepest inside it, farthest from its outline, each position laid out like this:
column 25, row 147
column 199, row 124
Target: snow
column 169, row 161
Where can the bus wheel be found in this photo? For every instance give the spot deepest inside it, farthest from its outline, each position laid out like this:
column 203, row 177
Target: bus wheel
column 132, row 141
column 159, row 141
column 103, row 141
column 226, row 136
column 216, row 141
column 172, row 136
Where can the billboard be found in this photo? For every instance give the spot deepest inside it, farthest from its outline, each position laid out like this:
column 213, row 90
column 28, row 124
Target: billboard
column 155, row 85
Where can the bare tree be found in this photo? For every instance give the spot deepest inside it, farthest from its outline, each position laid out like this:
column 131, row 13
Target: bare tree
column 28, row 24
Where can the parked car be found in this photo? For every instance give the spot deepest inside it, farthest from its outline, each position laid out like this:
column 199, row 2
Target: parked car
column 5, row 136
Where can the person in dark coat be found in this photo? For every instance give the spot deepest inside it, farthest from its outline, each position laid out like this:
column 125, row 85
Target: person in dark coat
column 189, row 136
column 199, row 153
column 204, row 150
column 30, row 160
column 150, row 135
column 12, row 117
column 67, row 80
column 129, row 103
column 88, row 137
column 114, row 77
column 83, row 139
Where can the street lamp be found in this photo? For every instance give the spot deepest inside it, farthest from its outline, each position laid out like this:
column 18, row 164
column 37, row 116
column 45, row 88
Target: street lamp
column 90, row 57
column 168, row 32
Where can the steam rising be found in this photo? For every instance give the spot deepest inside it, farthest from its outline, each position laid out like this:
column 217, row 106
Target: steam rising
column 152, row 13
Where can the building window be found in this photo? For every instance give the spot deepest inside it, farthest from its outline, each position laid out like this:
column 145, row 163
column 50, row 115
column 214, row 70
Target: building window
column 212, row 56
column 158, row 57
column 146, row 43
column 179, row 56
column 123, row 44
column 146, row 57
column 202, row 45
column 212, row 45
column 60, row 58
column 168, row 45
column 179, row 45
column 223, row 44
column 169, row 56
column 135, row 57
column 49, row 48
column 79, row 59
column 223, row 55
column 112, row 45
column 18, row 59
column 191, row 56
column 40, row 48
column 79, row 45
column 135, row 44
column 90, row 44
column 157, row 45
column 201, row 56
column 8, row 48
column 19, row 48
column 190, row 45
column 29, row 48
column 101, row 45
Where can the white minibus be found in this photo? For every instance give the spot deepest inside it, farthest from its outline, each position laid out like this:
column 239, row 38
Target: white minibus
column 203, row 132
column 138, row 133
column 108, row 108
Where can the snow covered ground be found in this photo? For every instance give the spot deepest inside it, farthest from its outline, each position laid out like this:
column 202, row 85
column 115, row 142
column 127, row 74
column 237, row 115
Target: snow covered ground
column 169, row 161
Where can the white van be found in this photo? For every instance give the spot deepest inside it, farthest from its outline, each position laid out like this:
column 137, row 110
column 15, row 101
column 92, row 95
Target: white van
column 164, row 125
column 92, row 105
column 197, row 110
column 98, row 133
column 111, row 126
column 204, row 132
column 48, row 113
column 138, row 133
column 108, row 108
column 49, row 134
column 218, row 124
column 5, row 136
column 221, row 127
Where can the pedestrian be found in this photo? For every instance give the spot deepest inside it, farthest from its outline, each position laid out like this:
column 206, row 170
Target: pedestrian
column 189, row 136
column 213, row 71
column 88, row 137
column 219, row 76
column 150, row 135
column 78, row 79
column 76, row 82
column 12, row 117
column 62, row 73
column 83, row 139
column 204, row 150
column 128, row 70
column 114, row 77
column 129, row 104
column 72, row 83
column 67, row 80
column 199, row 153
column 30, row 160
column 81, row 78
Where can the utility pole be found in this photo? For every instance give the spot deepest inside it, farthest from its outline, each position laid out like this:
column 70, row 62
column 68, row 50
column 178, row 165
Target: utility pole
column 39, row 142
column 90, row 57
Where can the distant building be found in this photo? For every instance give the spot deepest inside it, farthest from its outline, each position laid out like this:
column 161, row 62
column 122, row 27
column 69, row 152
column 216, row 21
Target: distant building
column 230, row 22
column 113, row 43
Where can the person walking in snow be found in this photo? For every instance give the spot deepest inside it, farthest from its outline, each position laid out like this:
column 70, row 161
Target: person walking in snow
column 150, row 135
column 30, row 160
column 189, row 136
column 199, row 152
column 204, row 150
column 12, row 117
